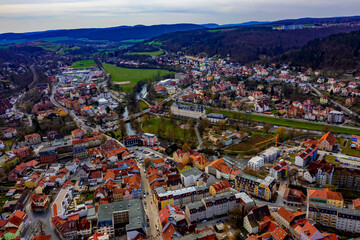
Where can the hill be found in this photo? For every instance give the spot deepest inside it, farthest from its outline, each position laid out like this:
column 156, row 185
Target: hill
column 244, row 44
column 338, row 52
column 120, row 33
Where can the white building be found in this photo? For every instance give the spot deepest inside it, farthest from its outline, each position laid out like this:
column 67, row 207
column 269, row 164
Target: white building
column 187, row 111
column 256, row 163
column 270, row 154
column 189, row 177
column 62, row 202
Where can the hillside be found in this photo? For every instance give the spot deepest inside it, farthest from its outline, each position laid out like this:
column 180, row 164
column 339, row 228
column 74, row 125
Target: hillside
column 245, row 44
column 109, row 34
column 338, row 52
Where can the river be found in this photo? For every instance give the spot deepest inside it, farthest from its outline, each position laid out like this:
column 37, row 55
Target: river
column 139, row 95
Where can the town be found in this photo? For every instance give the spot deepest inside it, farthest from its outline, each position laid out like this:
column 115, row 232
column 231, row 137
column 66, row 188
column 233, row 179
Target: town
column 195, row 147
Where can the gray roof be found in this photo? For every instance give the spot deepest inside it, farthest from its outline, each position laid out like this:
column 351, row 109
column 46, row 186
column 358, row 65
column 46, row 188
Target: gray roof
column 339, row 210
column 192, row 171
column 216, row 115
column 105, row 211
column 195, row 205
column 201, row 187
column 199, row 235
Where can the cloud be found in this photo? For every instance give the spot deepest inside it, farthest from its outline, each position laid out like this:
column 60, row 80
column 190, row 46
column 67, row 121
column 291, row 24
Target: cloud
column 25, row 15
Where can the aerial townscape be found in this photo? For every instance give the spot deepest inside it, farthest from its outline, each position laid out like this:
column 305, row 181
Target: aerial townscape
column 182, row 131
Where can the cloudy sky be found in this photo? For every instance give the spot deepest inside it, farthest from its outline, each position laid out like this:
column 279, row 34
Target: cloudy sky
column 33, row 15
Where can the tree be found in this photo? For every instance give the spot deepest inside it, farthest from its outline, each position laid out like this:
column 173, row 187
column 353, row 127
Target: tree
column 267, row 127
column 281, row 133
column 236, row 217
column 185, row 147
column 145, row 119
column 222, row 125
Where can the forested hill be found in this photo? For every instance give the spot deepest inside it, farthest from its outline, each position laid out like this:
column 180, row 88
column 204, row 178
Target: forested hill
column 246, row 44
column 338, row 52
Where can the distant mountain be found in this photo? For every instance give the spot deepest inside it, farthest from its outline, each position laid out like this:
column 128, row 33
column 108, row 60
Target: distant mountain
column 251, row 23
column 338, row 52
column 110, row 34
column 244, row 44
column 211, row 25
column 315, row 20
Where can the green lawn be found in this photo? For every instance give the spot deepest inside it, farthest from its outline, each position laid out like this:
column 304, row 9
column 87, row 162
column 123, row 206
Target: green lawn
column 119, row 74
column 153, row 54
column 143, row 105
column 133, row 41
column 331, row 159
column 346, row 149
column 285, row 122
column 66, row 50
column 155, row 43
column 164, row 128
column 84, row 64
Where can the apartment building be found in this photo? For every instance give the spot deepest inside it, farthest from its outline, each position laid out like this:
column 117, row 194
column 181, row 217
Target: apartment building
column 179, row 197
column 212, row 206
column 326, row 196
column 306, row 156
column 344, row 219
column 262, row 188
column 346, row 178
column 117, row 218
column 255, row 163
column 189, row 177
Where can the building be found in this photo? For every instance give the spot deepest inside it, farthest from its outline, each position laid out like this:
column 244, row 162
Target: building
column 286, row 218
column 39, row 202
column 33, row 139
column 200, row 161
column 132, row 140
column 223, row 186
column 121, row 217
column 211, row 207
column 343, row 219
column 326, row 142
column 149, row 139
column 346, row 178
column 189, row 177
column 254, row 217
column 80, row 152
column 255, row 163
column 187, row 111
column 215, row 117
column 356, row 204
column 326, row 196
column 292, row 197
column 270, row 154
column 48, row 155
column 279, row 170
column 261, row 188
column 78, row 133
column 179, row 197
column 306, row 156
column 219, row 169
column 62, row 202
column 320, row 172
column 335, row 117
column 22, row 152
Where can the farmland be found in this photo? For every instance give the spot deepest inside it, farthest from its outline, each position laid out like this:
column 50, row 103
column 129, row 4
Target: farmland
column 153, row 54
column 83, row 64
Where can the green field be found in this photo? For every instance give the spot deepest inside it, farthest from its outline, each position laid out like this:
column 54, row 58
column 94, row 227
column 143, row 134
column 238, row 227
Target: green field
column 143, row 105
column 133, row 41
column 153, row 54
column 164, row 128
column 49, row 46
column 155, row 43
column 66, row 50
column 119, row 74
column 285, row 122
column 84, row 64
column 221, row 30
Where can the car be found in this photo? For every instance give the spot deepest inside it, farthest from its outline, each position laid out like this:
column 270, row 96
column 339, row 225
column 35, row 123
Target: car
column 145, row 206
column 147, row 193
column 144, row 196
column 204, row 221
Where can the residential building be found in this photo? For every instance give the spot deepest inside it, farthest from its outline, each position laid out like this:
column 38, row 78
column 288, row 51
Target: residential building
column 39, row 202
column 270, row 154
column 9, row 133
column 121, row 217
column 187, row 111
column 343, row 219
column 326, row 196
column 215, row 117
column 200, row 161
column 179, row 197
column 189, row 177
column 292, row 197
column 223, row 186
column 80, row 152
column 62, row 202
column 286, row 218
column 33, row 139
column 132, row 140
column 335, row 117
column 255, row 163
column 21, row 152
column 149, row 139
column 280, row 170
column 326, row 142
column 306, row 156
column 254, row 217
column 211, row 207
column 261, row 188
column 346, row 178
column 219, row 169
column 320, row 172
column 48, row 155
column 78, row 133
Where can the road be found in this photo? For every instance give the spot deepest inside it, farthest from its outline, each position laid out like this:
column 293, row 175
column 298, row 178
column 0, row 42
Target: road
column 200, row 142
column 345, row 109
column 150, row 208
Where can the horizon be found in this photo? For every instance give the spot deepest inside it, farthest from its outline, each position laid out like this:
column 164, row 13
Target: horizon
column 20, row 16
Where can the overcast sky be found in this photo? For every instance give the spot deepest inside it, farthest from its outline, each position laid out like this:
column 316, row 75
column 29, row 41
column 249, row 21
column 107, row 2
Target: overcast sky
column 33, row 15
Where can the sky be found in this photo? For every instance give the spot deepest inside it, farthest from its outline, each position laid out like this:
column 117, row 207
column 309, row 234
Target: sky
column 37, row 15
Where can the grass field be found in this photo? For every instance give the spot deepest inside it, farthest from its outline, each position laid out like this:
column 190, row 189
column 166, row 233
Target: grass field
column 285, row 122
column 133, row 41
column 155, row 43
column 221, row 30
column 66, row 50
column 49, row 46
column 152, row 54
column 164, row 127
column 143, row 105
column 346, row 149
column 84, row 64
column 132, row 75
